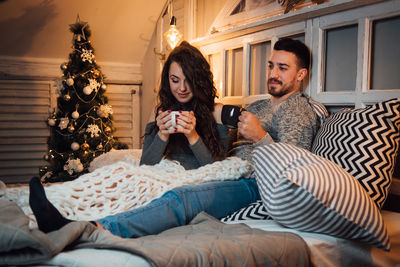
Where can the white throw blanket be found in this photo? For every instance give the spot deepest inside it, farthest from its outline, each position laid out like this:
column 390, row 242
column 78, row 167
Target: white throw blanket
column 123, row 185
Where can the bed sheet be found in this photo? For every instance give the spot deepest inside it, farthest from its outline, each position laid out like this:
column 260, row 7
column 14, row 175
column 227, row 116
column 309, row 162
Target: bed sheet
column 327, row 250
column 91, row 257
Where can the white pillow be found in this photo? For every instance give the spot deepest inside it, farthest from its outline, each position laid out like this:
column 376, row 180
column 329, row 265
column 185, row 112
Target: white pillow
column 310, row 193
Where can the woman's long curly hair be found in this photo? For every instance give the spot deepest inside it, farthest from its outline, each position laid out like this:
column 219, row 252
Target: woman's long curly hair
column 200, row 78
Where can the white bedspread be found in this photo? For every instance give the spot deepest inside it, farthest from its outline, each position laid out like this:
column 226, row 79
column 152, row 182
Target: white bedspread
column 329, row 251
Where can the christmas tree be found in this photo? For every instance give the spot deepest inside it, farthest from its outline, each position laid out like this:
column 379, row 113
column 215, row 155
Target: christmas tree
column 81, row 126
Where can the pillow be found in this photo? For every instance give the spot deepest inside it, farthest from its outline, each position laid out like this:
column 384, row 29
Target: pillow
column 364, row 142
column 254, row 211
column 307, row 192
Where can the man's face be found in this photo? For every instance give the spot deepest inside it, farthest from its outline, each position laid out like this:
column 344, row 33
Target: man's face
column 283, row 75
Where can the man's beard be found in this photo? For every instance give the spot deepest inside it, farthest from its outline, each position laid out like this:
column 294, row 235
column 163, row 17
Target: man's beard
column 281, row 89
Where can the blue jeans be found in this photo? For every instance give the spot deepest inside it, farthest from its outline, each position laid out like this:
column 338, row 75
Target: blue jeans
column 180, row 205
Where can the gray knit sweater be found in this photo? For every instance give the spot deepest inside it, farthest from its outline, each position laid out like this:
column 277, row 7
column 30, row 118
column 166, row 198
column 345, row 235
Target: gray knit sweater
column 189, row 156
column 292, row 121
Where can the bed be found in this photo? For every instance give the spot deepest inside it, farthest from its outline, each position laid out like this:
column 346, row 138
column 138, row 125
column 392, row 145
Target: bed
column 318, row 208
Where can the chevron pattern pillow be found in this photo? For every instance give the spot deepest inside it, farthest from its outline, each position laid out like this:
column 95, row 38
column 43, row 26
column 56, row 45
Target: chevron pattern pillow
column 307, row 192
column 365, row 143
column 254, row 211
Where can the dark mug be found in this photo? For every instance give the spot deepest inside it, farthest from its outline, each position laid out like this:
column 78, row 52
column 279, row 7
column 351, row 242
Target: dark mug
column 230, row 115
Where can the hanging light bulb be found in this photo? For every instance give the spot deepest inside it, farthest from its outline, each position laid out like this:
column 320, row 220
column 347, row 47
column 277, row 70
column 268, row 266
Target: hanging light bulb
column 173, row 36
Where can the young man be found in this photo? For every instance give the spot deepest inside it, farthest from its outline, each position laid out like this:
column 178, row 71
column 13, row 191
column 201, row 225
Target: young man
column 287, row 116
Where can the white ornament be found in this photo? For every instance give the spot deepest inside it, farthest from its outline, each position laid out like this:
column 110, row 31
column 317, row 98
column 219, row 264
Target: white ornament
column 87, row 90
column 75, row 146
column 70, row 81
column 103, row 86
column 63, row 123
column 73, row 165
column 51, row 122
column 87, row 55
column 94, row 84
column 75, row 114
column 94, row 130
column 104, row 111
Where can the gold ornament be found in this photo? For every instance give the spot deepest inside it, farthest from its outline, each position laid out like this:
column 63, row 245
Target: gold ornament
column 100, row 146
column 70, row 81
column 95, row 74
column 85, row 146
column 67, row 97
column 46, row 157
column 71, row 128
column 107, row 130
column 63, row 66
column 75, row 114
column 103, row 86
column 85, row 154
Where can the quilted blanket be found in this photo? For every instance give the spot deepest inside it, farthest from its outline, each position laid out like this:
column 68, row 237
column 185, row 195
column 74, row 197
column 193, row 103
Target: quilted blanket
column 204, row 242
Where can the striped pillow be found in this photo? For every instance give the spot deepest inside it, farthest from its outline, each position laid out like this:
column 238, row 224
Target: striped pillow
column 310, row 193
column 254, row 211
column 365, row 143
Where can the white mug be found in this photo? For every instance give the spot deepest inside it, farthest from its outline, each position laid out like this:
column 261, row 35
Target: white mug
column 174, row 120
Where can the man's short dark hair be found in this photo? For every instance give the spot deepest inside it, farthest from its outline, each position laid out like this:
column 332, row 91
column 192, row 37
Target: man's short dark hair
column 296, row 47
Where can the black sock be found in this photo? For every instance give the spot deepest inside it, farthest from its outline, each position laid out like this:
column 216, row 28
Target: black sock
column 47, row 216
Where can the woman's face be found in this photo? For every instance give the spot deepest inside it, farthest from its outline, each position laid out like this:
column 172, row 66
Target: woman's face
column 180, row 87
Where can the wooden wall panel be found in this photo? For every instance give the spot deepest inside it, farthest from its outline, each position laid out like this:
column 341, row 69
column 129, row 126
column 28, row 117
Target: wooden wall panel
column 24, row 107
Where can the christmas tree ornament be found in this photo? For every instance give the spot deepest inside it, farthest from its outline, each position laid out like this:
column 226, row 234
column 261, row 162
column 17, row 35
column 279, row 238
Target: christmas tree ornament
column 87, row 90
column 51, row 122
column 42, row 170
column 104, row 111
column 63, row 66
column 84, row 154
column 73, row 165
column 75, row 114
column 95, row 74
column 46, row 157
column 94, row 130
column 99, row 146
column 75, row 146
column 87, row 55
column 69, row 81
column 71, row 128
column 63, row 123
column 104, row 86
column 107, row 130
column 85, row 146
column 67, row 97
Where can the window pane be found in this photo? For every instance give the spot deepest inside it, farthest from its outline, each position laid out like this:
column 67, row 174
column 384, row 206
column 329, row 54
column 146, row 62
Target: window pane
column 216, row 69
column 234, row 70
column 299, row 37
column 385, row 54
column 260, row 54
column 341, row 59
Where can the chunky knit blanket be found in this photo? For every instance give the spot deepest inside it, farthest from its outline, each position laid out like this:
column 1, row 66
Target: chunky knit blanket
column 117, row 183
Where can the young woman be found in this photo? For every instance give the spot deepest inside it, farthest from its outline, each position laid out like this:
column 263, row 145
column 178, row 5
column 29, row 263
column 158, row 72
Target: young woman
column 198, row 138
